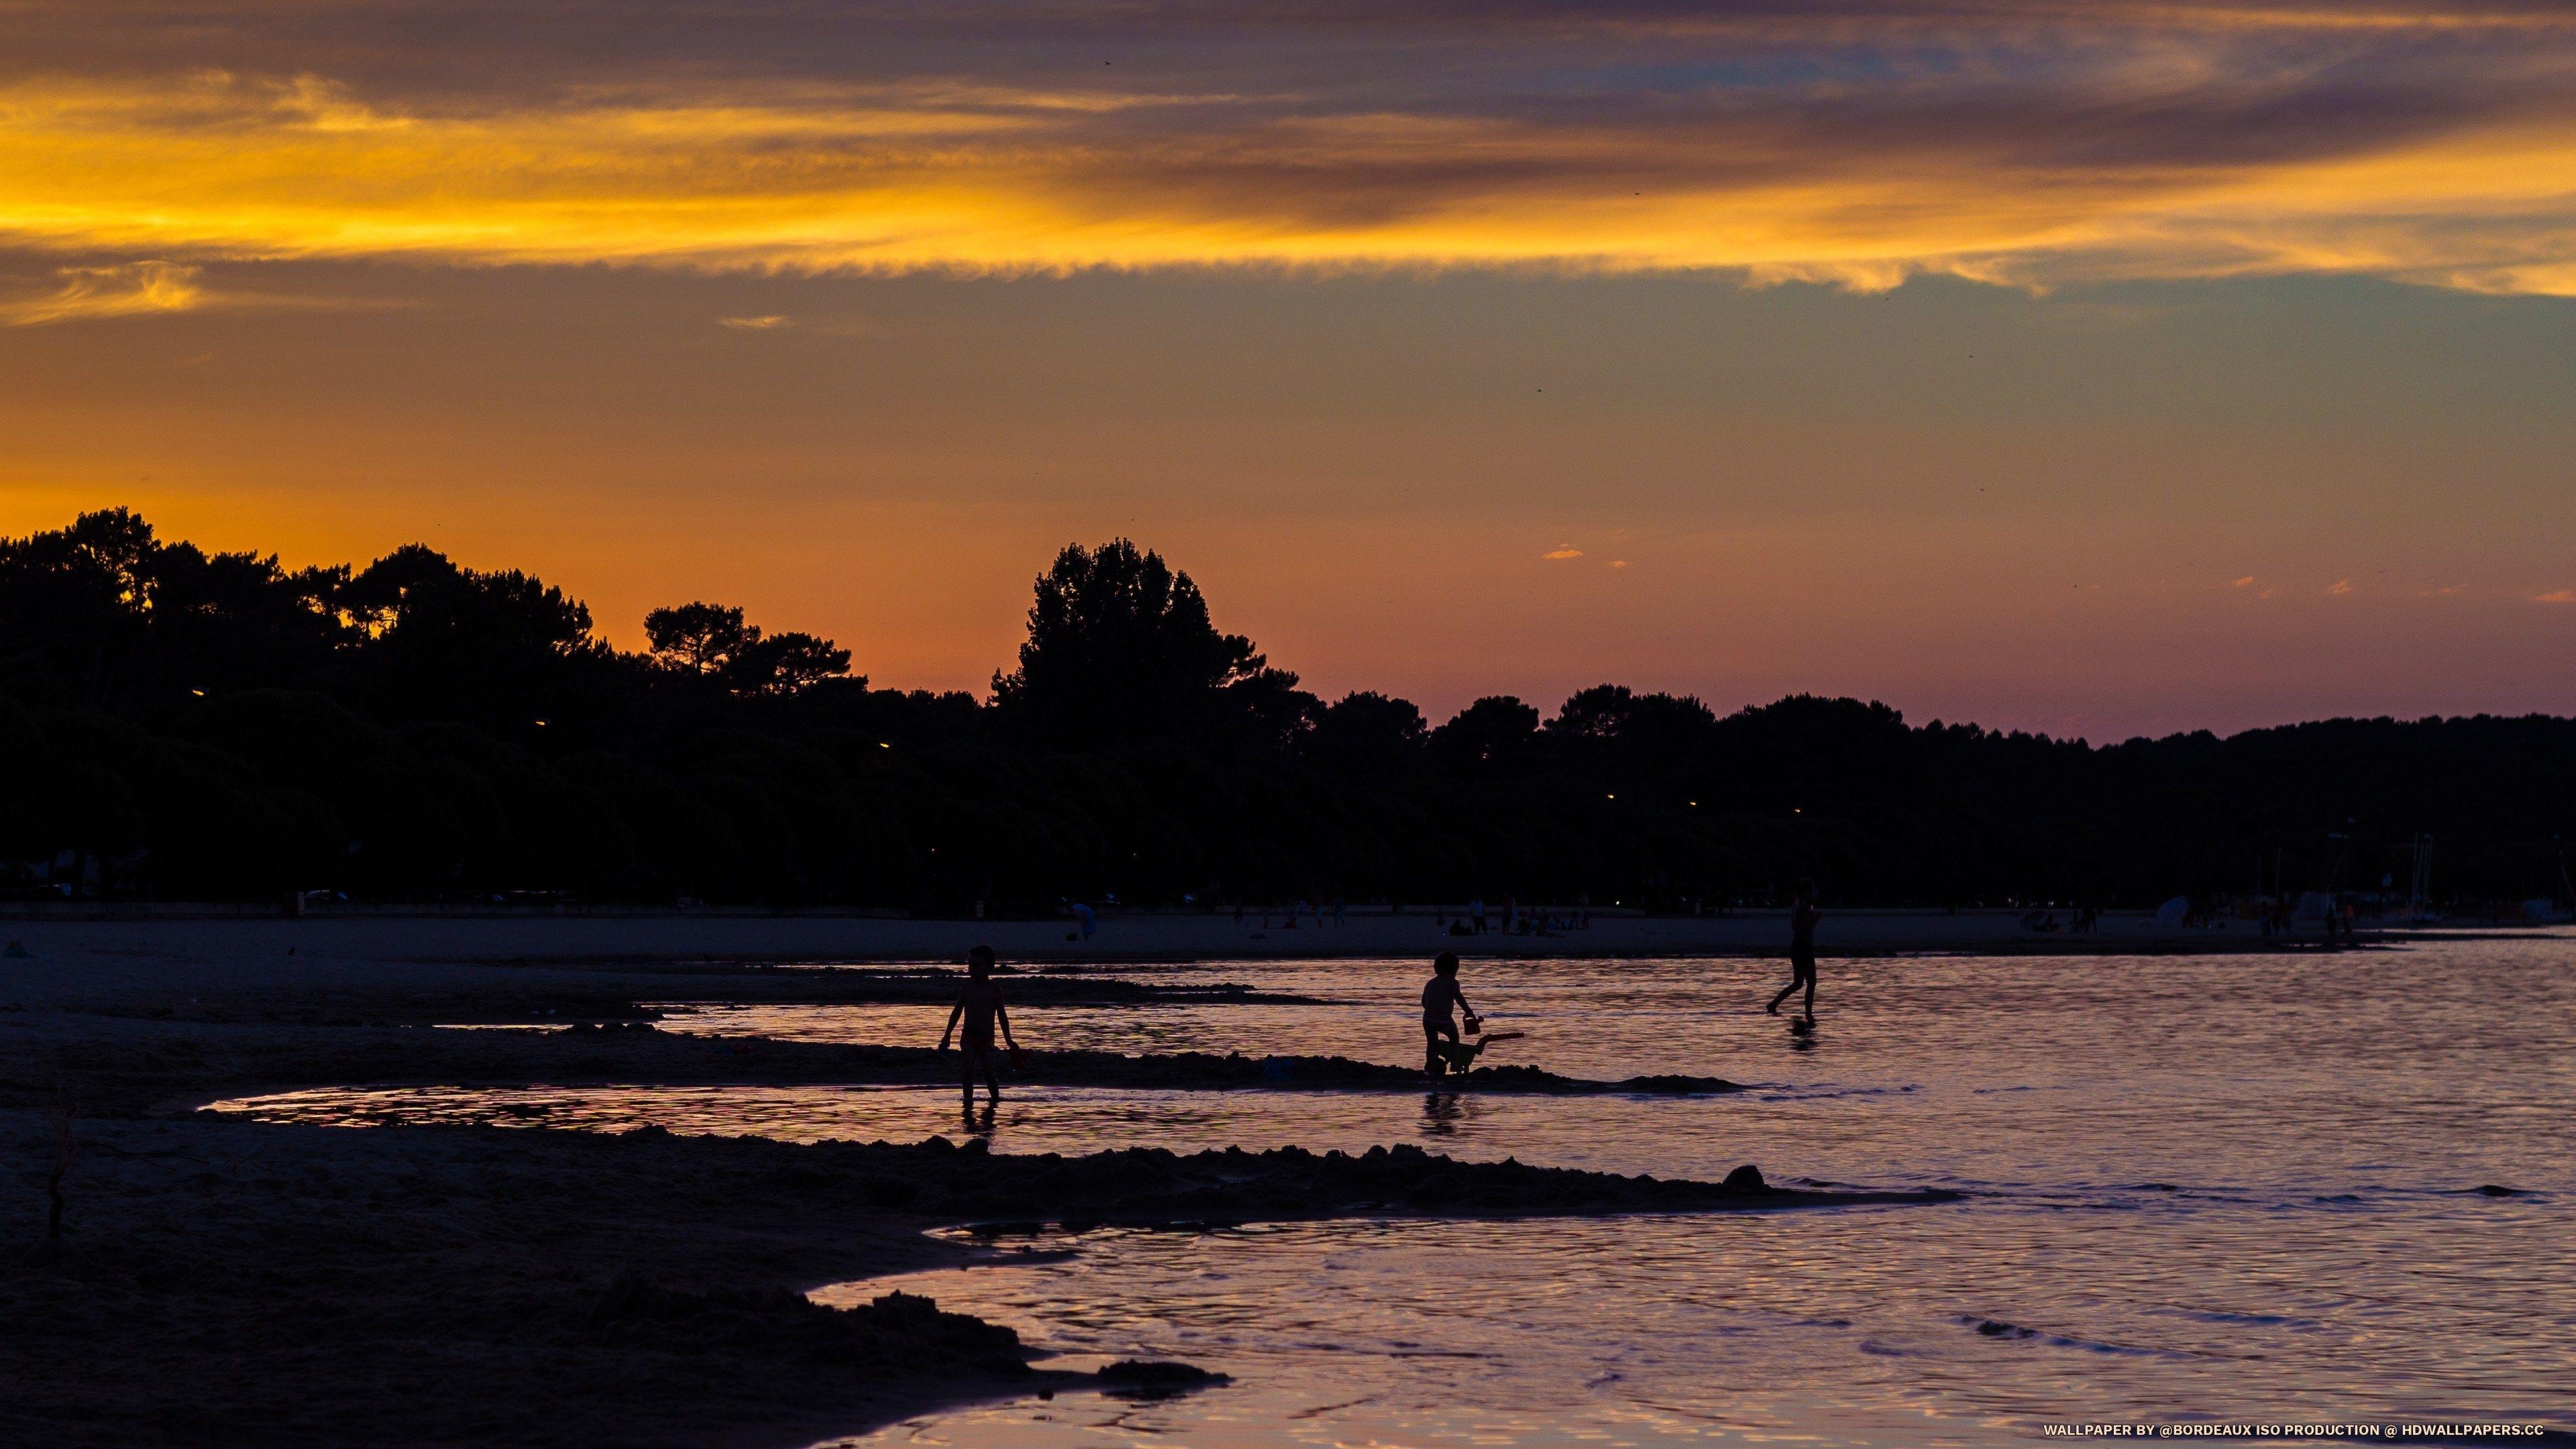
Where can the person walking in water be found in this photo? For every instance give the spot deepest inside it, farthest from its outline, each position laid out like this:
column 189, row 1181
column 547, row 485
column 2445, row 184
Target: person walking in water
column 1803, row 916
column 1443, row 1051
column 979, row 1006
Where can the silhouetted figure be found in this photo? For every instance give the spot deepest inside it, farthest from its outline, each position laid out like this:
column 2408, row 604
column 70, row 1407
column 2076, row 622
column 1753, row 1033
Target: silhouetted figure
column 979, row 1006
column 1443, row 1050
column 1803, row 916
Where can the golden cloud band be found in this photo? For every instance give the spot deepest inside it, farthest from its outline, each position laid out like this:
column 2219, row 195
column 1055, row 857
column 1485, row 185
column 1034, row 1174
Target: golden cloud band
column 978, row 179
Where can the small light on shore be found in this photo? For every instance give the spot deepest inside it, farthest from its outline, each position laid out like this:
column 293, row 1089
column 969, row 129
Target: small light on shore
column 199, row 693
column 884, row 745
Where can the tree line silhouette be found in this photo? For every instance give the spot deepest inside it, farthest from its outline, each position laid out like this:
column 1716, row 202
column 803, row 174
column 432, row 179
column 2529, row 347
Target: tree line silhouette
column 182, row 725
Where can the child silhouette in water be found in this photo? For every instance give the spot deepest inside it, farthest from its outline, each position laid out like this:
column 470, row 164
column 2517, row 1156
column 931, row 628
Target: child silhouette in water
column 1803, row 917
column 979, row 1006
column 1443, row 1051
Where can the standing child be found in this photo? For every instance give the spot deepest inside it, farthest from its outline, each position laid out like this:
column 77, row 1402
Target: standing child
column 979, row 1006
column 1803, row 917
column 1443, row 1051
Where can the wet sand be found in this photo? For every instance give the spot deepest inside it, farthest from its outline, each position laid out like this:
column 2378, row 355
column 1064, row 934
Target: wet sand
column 223, row 1281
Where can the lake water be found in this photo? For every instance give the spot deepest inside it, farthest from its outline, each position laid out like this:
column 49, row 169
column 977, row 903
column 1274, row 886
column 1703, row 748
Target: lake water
column 2235, row 1188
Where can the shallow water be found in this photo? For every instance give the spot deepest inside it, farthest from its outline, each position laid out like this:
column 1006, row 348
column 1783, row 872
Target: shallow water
column 2229, row 1187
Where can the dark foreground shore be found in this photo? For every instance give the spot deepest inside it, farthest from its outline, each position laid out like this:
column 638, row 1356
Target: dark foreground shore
column 220, row 1281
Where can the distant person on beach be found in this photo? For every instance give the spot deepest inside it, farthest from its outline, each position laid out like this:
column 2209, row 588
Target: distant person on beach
column 1803, row 916
column 1443, row 1050
column 979, row 1006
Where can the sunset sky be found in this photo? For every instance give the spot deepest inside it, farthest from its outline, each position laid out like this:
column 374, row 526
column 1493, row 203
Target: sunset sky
column 2099, row 368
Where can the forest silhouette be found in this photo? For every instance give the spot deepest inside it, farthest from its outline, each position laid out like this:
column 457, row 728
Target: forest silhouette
column 182, row 725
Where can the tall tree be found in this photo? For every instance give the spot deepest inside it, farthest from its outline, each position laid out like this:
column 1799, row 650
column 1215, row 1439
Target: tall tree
column 711, row 641
column 1496, row 733
column 72, row 607
column 104, row 615
column 788, row 663
column 1121, row 648
column 1367, row 733
column 503, row 649
column 697, row 638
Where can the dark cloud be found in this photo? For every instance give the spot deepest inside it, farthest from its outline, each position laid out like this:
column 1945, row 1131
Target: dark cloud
column 452, row 42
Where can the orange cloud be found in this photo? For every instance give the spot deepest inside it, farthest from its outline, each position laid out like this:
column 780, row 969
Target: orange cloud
column 1559, row 555
column 2181, row 157
column 2555, row 596
column 136, row 289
